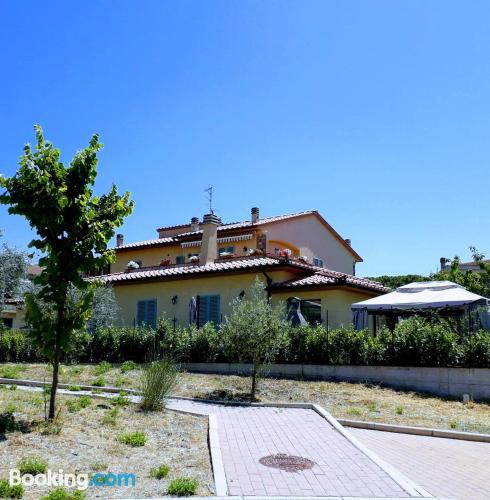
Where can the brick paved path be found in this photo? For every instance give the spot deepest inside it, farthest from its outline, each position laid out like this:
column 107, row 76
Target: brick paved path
column 444, row 467
column 247, row 434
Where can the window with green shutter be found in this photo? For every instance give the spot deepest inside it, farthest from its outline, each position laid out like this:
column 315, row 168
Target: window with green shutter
column 208, row 309
column 146, row 313
column 180, row 259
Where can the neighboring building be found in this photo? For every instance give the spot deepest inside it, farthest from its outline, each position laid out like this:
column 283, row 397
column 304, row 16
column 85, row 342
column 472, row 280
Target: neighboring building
column 192, row 272
column 12, row 314
column 464, row 266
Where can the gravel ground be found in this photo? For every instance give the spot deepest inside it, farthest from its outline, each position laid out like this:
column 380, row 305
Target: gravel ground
column 87, row 444
column 343, row 400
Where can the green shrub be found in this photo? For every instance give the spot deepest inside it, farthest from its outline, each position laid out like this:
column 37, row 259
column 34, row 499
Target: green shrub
column 137, row 438
column 419, row 342
column 120, row 400
column 110, row 417
column 74, row 388
column 101, row 368
column 11, row 371
column 77, row 404
column 160, row 472
column 63, row 494
column 159, row 378
column 476, row 350
column 128, row 366
column 7, row 422
column 7, row 491
column 32, row 466
column 182, row 486
column 99, row 382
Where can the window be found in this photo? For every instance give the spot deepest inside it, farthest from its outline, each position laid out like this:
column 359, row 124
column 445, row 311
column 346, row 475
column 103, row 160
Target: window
column 8, row 322
column 180, row 259
column 147, row 313
column 227, row 250
column 312, row 311
column 208, row 309
column 317, row 262
column 300, row 310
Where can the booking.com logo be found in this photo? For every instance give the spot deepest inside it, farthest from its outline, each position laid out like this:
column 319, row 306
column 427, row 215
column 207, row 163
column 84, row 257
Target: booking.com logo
column 79, row 481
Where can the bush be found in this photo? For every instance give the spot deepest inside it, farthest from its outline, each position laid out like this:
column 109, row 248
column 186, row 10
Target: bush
column 137, row 438
column 159, row 378
column 62, row 494
column 476, row 350
column 418, row 342
column 32, row 466
column 160, row 472
column 16, row 347
column 102, row 367
column 77, row 404
column 182, row 486
column 128, row 366
column 7, row 491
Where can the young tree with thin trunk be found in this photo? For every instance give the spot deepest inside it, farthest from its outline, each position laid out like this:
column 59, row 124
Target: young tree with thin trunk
column 254, row 331
column 73, row 229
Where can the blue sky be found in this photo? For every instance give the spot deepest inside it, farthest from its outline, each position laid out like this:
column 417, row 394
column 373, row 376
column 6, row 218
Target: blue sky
column 376, row 113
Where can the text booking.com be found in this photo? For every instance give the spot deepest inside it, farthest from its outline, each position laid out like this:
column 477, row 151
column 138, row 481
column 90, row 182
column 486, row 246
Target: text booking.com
column 79, row 481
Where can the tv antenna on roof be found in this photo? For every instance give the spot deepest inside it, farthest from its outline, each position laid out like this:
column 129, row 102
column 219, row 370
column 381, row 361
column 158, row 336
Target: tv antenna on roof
column 209, row 190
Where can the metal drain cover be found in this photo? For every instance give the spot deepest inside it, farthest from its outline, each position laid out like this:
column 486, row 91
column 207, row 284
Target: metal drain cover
column 288, row 463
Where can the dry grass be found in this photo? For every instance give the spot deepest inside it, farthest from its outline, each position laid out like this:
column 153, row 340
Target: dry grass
column 343, row 400
column 87, row 444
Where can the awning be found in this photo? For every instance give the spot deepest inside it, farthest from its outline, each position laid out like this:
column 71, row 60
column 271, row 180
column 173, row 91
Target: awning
column 423, row 295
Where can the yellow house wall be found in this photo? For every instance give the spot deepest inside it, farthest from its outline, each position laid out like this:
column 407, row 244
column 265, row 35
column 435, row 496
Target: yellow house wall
column 337, row 301
column 228, row 287
column 18, row 315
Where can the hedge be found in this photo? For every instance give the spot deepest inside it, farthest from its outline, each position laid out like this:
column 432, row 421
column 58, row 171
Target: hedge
column 414, row 342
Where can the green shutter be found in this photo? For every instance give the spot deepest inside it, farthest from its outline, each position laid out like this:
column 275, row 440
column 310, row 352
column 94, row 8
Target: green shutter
column 147, row 313
column 209, row 309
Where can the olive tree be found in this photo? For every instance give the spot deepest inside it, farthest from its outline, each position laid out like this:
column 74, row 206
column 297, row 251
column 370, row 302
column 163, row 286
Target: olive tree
column 254, row 331
column 73, row 229
column 13, row 273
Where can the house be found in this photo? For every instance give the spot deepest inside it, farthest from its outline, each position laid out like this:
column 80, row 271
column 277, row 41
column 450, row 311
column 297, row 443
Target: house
column 192, row 272
column 12, row 314
column 463, row 266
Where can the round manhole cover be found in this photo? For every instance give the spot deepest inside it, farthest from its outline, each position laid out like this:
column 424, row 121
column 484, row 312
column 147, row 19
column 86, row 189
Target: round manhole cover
column 288, row 463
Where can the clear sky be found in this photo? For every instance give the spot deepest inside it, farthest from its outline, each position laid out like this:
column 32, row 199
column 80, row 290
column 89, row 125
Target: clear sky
column 376, row 113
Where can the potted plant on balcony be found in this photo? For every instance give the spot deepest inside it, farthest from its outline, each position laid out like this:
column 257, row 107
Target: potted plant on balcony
column 165, row 262
column 194, row 258
column 132, row 265
column 226, row 255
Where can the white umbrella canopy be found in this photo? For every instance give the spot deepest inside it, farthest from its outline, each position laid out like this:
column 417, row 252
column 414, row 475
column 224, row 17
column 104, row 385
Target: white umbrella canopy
column 423, row 295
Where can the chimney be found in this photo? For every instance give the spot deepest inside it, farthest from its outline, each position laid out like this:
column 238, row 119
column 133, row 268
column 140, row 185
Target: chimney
column 348, row 241
column 255, row 215
column 119, row 240
column 209, row 245
column 195, row 224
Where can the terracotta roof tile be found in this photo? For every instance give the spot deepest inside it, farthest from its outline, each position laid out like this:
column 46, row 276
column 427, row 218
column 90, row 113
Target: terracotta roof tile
column 160, row 272
column 318, row 277
column 147, row 243
column 329, row 277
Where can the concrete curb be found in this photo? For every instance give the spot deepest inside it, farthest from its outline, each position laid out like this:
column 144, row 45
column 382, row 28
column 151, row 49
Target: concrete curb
column 409, row 486
column 216, row 457
column 418, row 431
column 375, row 426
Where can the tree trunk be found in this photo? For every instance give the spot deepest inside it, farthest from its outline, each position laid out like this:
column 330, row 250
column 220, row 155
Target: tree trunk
column 254, row 383
column 56, row 361
column 54, row 385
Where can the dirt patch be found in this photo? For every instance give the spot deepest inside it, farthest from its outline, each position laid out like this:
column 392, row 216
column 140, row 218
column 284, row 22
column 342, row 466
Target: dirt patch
column 342, row 399
column 88, row 443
